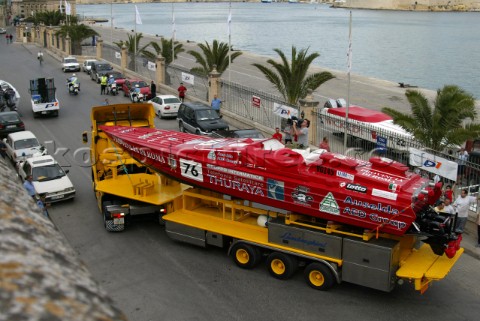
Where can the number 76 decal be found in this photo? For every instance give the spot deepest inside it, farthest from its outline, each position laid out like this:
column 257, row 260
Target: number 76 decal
column 191, row 169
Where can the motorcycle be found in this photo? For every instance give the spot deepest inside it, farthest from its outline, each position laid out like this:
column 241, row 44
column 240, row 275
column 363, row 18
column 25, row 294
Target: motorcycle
column 7, row 100
column 73, row 88
column 136, row 98
column 113, row 90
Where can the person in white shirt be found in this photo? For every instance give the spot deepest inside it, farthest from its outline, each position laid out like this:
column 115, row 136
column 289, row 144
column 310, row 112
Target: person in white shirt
column 461, row 205
column 448, row 208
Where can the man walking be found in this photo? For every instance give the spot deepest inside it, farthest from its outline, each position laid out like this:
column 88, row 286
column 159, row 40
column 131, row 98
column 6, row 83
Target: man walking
column 216, row 104
column 153, row 90
column 181, row 92
column 28, row 184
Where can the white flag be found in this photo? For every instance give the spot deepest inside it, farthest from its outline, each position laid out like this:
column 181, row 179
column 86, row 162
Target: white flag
column 229, row 22
column 60, row 7
column 67, row 8
column 138, row 20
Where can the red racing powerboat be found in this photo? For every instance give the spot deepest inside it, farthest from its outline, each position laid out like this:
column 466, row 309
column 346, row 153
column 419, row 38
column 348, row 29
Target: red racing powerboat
column 379, row 195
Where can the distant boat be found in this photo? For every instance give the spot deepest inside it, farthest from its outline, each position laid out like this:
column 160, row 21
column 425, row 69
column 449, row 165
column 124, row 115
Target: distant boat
column 266, row 1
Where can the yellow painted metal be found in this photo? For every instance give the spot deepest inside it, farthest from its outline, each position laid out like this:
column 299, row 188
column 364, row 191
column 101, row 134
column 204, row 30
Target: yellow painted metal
column 208, row 211
column 423, row 266
column 316, row 278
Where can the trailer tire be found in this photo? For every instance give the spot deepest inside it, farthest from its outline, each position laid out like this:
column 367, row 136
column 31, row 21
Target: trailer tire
column 246, row 256
column 108, row 223
column 319, row 276
column 282, row 266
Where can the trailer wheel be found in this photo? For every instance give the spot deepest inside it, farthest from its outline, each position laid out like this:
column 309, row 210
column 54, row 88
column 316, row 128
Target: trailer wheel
column 282, row 266
column 108, row 223
column 319, row 276
column 246, row 256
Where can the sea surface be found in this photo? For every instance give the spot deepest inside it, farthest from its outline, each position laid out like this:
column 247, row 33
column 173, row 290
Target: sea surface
column 425, row 49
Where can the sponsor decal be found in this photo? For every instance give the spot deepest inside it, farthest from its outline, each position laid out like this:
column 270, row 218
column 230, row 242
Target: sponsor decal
column 275, row 189
column 393, row 187
column 379, row 207
column 300, row 196
column 380, row 176
column 356, row 188
column 235, row 172
column 325, row 170
column 345, row 175
column 385, row 220
column 236, row 184
column 211, row 155
column 343, row 184
column 384, row 194
column 298, row 239
column 329, row 205
column 429, row 163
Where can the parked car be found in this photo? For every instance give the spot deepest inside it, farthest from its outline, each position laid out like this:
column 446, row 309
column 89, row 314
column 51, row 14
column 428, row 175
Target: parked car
column 98, row 69
column 3, row 30
column 87, row 65
column 22, row 145
column 48, row 178
column 238, row 133
column 10, row 122
column 199, row 119
column 129, row 84
column 165, row 105
column 118, row 76
column 332, row 103
column 70, row 64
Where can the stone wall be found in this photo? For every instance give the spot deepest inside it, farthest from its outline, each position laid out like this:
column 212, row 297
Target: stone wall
column 420, row 5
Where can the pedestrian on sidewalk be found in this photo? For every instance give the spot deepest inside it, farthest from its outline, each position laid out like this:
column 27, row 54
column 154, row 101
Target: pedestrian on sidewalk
column 181, row 92
column 462, row 206
column 28, row 185
column 216, row 104
column 153, row 90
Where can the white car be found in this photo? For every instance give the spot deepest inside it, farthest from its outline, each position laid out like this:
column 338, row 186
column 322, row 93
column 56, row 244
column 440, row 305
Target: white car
column 70, row 64
column 48, row 178
column 165, row 105
column 3, row 30
column 87, row 65
column 22, row 145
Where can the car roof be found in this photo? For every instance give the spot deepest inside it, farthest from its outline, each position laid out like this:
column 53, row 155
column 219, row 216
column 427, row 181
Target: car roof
column 167, row 96
column 22, row 135
column 41, row 160
column 197, row 105
column 6, row 113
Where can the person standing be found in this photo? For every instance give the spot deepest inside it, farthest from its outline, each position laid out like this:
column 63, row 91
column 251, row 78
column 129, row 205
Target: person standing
column 302, row 133
column 448, row 208
column 449, row 193
column 3, row 149
column 28, row 184
column 216, row 104
column 462, row 162
column 153, row 90
column 277, row 135
column 324, row 144
column 462, row 205
column 42, row 204
column 182, row 90
column 103, row 84
column 40, row 57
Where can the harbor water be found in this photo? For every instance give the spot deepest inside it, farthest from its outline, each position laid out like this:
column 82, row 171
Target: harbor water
column 425, row 49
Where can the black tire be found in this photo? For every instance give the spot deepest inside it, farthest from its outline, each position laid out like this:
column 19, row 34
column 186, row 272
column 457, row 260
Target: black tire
column 181, row 128
column 282, row 266
column 197, row 132
column 246, row 256
column 55, row 113
column 108, row 223
column 35, row 115
column 318, row 276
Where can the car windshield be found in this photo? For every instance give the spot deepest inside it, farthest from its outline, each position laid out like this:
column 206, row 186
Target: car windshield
column 104, row 67
column 9, row 118
column 140, row 84
column 69, row 61
column 117, row 76
column 207, row 114
column 171, row 101
column 26, row 143
column 47, row 173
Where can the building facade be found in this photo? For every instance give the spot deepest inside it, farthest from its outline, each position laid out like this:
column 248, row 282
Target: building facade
column 28, row 8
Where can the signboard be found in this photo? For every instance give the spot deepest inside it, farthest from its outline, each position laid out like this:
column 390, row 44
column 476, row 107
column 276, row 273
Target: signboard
column 256, row 101
column 151, row 66
column 188, row 78
column 118, row 55
column 284, row 111
column 433, row 164
column 381, row 144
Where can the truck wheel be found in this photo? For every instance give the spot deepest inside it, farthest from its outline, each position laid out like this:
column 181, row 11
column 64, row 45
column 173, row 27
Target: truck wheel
column 35, row 115
column 108, row 223
column 246, row 256
column 319, row 276
column 282, row 266
column 55, row 113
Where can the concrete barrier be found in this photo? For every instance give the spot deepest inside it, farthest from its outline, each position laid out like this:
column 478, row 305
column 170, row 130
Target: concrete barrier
column 41, row 277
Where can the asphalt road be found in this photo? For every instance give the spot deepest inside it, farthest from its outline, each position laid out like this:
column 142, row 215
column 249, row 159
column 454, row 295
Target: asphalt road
column 151, row 277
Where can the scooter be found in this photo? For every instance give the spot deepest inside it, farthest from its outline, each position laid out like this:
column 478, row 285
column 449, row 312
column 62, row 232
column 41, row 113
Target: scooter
column 73, row 88
column 7, row 100
column 113, row 90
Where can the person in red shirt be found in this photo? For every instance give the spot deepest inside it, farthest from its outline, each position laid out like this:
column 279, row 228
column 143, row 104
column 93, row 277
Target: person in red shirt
column 324, row 144
column 181, row 91
column 277, row 135
column 448, row 193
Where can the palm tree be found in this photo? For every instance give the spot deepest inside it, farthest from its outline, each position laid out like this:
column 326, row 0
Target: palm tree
column 442, row 125
column 291, row 79
column 77, row 34
column 215, row 55
column 132, row 45
column 51, row 18
column 165, row 50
